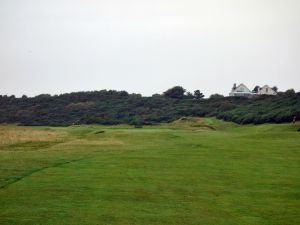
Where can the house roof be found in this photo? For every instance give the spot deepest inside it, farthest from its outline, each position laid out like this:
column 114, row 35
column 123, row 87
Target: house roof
column 244, row 86
column 266, row 88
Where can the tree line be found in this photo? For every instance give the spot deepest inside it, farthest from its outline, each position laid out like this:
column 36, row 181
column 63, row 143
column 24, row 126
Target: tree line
column 119, row 107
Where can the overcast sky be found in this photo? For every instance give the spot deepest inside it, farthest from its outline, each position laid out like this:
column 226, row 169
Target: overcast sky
column 147, row 46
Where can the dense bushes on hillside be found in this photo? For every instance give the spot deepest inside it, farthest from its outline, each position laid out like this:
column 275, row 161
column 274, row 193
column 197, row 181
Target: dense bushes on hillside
column 115, row 107
column 265, row 109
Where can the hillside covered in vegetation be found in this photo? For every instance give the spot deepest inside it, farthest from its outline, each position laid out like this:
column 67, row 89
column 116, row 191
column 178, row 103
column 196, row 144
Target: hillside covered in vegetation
column 119, row 107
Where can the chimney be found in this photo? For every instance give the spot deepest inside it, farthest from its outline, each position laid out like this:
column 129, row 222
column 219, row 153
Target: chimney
column 234, row 86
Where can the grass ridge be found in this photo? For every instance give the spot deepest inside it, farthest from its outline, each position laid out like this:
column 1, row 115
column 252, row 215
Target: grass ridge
column 17, row 179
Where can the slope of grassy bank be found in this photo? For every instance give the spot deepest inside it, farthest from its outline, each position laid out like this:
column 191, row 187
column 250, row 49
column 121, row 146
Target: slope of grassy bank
column 192, row 171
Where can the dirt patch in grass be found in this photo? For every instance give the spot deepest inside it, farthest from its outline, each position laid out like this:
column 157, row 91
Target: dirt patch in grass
column 100, row 132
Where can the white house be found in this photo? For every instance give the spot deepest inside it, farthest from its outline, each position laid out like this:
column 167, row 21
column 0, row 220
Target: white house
column 241, row 90
column 266, row 90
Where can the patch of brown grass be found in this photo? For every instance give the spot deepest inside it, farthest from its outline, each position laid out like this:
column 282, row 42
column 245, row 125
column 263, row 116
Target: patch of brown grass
column 14, row 135
column 83, row 142
column 187, row 122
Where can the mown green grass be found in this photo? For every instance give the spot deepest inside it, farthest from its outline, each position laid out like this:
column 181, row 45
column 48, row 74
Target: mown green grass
column 180, row 173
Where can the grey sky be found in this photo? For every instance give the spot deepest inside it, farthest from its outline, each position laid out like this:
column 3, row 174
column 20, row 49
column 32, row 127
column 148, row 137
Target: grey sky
column 147, row 46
